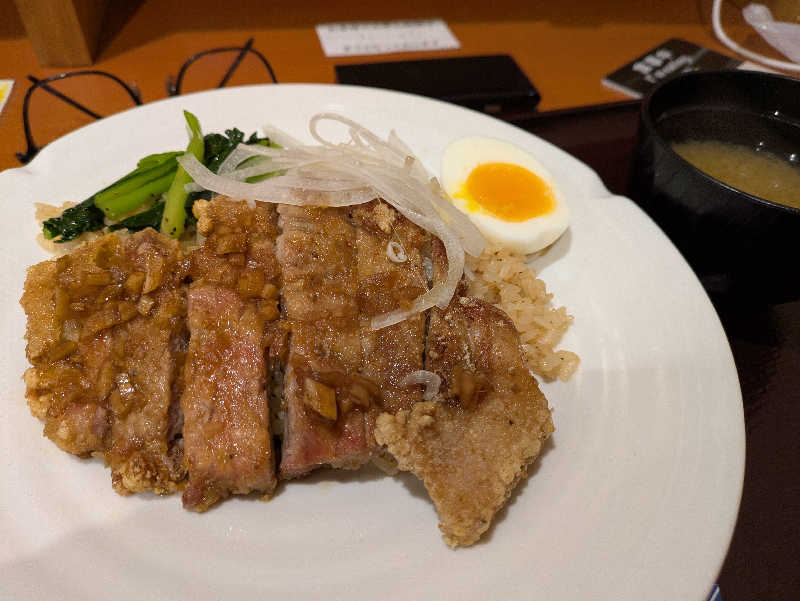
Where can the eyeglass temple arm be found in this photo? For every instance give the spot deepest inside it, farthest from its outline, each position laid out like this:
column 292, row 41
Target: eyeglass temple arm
column 248, row 44
column 174, row 87
column 64, row 97
column 32, row 149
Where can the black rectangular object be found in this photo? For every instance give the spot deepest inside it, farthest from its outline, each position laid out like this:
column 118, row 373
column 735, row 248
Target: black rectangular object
column 493, row 84
column 671, row 58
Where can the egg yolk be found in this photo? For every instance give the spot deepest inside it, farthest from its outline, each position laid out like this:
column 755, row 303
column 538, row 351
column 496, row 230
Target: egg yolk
column 508, row 192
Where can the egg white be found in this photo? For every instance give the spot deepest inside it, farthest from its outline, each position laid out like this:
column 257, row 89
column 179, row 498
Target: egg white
column 531, row 235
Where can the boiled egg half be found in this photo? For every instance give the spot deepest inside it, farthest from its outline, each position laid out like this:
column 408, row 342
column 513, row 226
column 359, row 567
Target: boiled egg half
column 508, row 194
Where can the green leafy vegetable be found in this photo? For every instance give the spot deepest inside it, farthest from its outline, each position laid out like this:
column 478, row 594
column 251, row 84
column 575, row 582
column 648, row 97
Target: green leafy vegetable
column 152, row 216
column 155, row 175
column 133, row 191
column 148, row 218
column 218, row 147
column 124, row 195
column 151, row 160
column 173, row 221
column 74, row 221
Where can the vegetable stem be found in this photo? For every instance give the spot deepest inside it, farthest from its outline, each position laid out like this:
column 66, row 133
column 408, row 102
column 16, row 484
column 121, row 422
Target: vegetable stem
column 151, row 160
column 135, row 198
column 149, row 218
column 174, row 218
column 131, row 192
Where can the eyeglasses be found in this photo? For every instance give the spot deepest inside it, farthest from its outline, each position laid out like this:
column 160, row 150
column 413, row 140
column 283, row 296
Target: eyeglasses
column 77, row 88
column 175, row 84
column 44, row 84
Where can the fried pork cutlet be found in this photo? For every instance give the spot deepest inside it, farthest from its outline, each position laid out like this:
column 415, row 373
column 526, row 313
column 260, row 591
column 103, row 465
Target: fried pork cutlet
column 471, row 446
column 317, row 253
column 233, row 299
column 384, row 285
column 105, row 331
column 340, row 372
column 165, row 378
column 72, row 303
column 148, row 352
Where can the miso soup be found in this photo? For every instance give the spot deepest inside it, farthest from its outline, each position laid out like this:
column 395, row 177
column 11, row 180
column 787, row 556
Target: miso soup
column 759, row 173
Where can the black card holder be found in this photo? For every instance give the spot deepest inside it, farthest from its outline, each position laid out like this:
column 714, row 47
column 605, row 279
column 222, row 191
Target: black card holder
column 493, row 84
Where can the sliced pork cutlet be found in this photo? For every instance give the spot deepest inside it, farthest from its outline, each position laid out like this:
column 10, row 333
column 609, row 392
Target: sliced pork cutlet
column 149, row 351
column 72, row 303
column 388, row 284
column 328, row 421
column 232, row 305
column 91, row 317
column 473, row 444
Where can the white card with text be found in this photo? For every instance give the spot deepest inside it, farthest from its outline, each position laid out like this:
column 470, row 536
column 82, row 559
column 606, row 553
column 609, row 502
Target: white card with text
column 385, row 37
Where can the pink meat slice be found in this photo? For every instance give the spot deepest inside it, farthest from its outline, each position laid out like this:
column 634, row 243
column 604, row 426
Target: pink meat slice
column 231, row 303
column 337, row 277
column 149, row 350
column 317, row 253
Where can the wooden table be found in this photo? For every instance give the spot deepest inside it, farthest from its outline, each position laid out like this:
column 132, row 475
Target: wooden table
column 565, row 49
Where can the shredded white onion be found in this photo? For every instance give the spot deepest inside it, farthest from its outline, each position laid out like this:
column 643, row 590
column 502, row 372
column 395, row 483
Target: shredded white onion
column 427, row 268
column 431, row 380
column 279, row 136
column 341, row 174
column 396, row 253
column 236, row 156
column 268, row 191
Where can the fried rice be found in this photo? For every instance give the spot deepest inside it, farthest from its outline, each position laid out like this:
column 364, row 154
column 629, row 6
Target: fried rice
column 502, row 278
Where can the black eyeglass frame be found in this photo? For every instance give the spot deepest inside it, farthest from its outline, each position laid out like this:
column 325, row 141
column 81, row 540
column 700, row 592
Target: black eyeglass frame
column 174, row 84
column 32, row 148
column 173, row 89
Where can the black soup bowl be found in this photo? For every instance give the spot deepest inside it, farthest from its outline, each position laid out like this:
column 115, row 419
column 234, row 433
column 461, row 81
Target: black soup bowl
column 742, row 247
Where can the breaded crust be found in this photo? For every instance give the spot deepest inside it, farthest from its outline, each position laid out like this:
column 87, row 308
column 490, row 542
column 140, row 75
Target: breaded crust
column 473, row 444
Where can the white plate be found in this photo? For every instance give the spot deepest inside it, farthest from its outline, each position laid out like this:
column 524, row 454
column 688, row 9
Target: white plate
column 636, row 497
